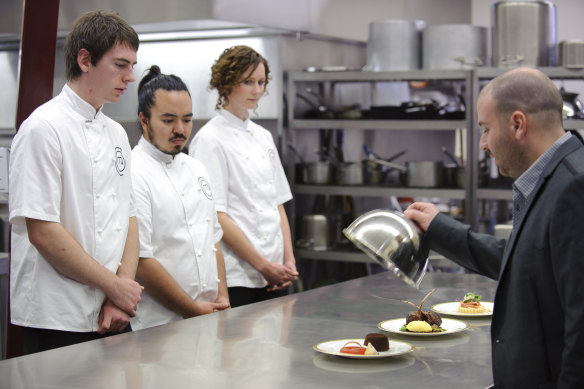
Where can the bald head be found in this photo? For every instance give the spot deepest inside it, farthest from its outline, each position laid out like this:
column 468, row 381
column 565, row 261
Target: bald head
column 529, row 91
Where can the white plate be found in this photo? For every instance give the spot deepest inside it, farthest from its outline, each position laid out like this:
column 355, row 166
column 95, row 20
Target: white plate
column 452, row 309
column 351, row 366
column 333, row 347
column 450, row 325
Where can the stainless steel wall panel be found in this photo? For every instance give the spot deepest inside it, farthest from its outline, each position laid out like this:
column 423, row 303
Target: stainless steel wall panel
column 9, row 89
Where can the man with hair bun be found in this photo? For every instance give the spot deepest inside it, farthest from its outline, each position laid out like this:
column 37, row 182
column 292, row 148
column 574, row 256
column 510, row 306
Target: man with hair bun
column 181, row 264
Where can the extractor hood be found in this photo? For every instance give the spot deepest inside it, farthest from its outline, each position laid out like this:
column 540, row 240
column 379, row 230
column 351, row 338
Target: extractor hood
column 202, row 17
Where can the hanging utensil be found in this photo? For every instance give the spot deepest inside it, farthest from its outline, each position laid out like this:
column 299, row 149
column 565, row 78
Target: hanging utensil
column 450, row 156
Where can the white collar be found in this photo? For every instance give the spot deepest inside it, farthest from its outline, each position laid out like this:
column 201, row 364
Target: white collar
column 81, row 105
column 234, row 120
column 155, row 153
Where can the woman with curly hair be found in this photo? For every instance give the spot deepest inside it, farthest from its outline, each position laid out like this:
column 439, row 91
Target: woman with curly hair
column 248, row 181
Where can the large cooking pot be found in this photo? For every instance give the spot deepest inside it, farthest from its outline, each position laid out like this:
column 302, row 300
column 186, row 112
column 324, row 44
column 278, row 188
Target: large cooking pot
column 571, row 54
column 315, row 233
column 454, row 46
column 524, row 33
column 394, row 45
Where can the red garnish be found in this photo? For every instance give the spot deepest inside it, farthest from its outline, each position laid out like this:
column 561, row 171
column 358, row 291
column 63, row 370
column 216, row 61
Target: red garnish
column 355, row 350
column 470, row 304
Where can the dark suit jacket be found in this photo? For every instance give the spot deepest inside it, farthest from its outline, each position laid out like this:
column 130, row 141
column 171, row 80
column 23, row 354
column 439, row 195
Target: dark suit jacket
column 537, row 331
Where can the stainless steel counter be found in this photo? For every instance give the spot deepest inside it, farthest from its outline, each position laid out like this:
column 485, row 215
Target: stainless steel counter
column 269, row 345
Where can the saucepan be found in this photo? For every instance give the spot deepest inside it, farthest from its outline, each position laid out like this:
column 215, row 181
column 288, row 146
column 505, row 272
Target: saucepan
column 313, row 173
column 375, row 169
column 453, row 174
column 348, row 173
column 422, row 174
column 393, row 241
column 415, row 174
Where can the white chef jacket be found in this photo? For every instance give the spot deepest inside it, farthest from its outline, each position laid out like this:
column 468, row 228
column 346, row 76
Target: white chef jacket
column 71, row 165
column 249, row 184
column 177, row 224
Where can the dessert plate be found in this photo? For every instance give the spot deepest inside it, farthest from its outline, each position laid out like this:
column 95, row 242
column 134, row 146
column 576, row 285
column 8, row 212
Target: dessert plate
column 333, row 347
column 452, row 309
column 450, row 325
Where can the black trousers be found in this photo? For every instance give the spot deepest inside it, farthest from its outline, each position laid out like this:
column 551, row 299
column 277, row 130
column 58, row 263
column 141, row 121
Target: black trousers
column 239, row 295
column 38, row 339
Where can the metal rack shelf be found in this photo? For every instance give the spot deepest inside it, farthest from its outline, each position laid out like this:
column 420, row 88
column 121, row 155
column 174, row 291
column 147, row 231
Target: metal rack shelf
column 373, row 191
column 410, row 75
column 359, row 257
column 494, row 194
column 333, row 255
column 389, row 125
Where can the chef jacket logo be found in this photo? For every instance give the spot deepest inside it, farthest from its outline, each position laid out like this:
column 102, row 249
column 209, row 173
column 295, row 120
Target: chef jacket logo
column 205, row 187
column 120, row 161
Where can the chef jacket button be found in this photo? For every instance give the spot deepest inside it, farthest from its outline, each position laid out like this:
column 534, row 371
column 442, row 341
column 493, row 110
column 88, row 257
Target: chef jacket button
column 182, row 194
column 497, row 341
column 114, row 194
column 207, row 219
column 190, row 224
column 99, row 230
column 218, row 280
column 265, row 237
column 263, row 157
column 214, row 249
column 255, row 184
column 204, row 285
column 199, row 190
column 97, row 195
column 247, row 157
column 260, row 210
column 271, row 182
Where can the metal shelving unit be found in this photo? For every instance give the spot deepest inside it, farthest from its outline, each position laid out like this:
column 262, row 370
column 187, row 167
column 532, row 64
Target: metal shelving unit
column 327, row 81
column 472, row 193
column 331, row 78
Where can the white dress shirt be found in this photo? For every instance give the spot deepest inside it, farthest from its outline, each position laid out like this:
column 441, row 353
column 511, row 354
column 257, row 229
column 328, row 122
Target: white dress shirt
column 249, row 183
column 177, row 224
column 69, row 165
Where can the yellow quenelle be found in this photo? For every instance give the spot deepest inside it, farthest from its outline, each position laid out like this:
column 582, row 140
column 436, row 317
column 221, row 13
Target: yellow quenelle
column 418, row 326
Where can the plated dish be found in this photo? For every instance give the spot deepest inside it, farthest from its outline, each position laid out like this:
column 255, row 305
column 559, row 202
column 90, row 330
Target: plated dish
column 451, row 308
column 450, row 326
column 332, row 347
